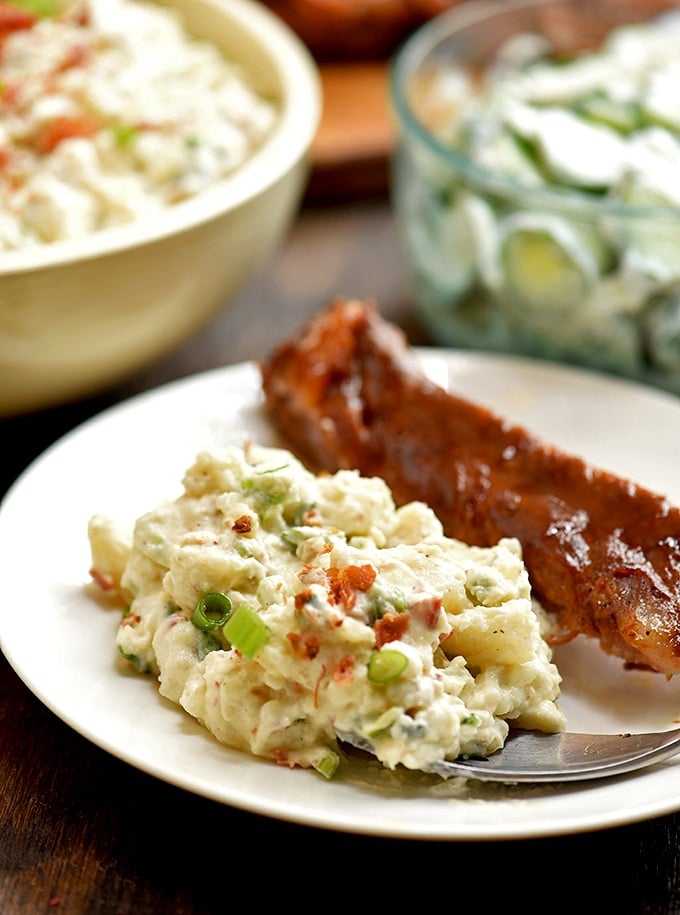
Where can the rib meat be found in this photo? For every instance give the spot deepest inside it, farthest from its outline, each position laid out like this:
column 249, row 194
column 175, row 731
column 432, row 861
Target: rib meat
column 603, row 554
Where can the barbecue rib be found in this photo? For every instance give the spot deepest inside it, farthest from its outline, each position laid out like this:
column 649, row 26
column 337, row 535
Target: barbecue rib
column 603, row 554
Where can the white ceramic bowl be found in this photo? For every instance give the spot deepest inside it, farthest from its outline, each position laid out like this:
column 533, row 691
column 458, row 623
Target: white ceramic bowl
column 78, row 316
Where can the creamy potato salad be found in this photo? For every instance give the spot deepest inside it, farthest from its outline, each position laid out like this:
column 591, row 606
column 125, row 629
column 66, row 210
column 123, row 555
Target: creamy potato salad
column 111, row 111
column 279, row 608
column 544, row 257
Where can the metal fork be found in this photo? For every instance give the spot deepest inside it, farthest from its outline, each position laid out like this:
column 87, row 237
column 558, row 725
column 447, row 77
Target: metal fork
column 533, row 756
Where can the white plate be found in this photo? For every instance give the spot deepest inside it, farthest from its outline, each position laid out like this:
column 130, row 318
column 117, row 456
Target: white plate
column 126, row 459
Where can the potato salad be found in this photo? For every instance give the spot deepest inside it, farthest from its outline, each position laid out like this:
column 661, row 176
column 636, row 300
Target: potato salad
column 112, row 111
column 280, row 608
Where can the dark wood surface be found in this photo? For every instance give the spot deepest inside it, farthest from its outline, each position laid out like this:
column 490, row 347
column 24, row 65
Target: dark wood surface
column 84, row 833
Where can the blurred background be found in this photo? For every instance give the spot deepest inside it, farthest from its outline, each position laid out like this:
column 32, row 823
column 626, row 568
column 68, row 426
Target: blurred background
column 353, row 41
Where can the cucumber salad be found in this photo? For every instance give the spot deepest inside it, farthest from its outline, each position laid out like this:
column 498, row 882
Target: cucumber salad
column 279, row 608
column 545, row 219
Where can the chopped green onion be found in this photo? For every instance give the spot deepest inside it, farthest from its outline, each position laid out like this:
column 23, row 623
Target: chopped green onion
column 273, row 469
column 40, row 7
column 384, row 721
column 211, row 611
column 471, row 719
column 124, row 133
column 386, row 665
column 267, row 489
column 139, row 664
column 246, row 631
column 328, row 764
column 292, row 537
column 382, row 602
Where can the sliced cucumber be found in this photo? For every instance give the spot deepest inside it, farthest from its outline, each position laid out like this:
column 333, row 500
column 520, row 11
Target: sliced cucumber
column 507, row 155
column 623, row 115
column 662, row 332
column 442, row 245
column 659, row 100
column 572, row 150
column 547, row 267
column 651, row 244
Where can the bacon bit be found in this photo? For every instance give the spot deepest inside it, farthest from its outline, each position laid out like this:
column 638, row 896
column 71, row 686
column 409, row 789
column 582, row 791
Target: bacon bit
column 280, row 757
column 360, row 577
column 307, row 648
column 80, row 14
column 13, row 19
column 340, row 591
column 390, row 627
column 78, row 55
column 104, row 580
column 302, row 598
column 344, row 582
column 427, row 611
column 318, row 685
column 343, row 672
column 243, row 525
column 64, row 128
column 312, row 518
column 11, row 93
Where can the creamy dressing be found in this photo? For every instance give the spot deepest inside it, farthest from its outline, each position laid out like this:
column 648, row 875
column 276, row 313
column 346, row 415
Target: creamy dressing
column 369, row 619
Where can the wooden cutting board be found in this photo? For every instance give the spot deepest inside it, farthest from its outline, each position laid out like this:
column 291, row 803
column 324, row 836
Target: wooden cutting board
column 356, row 134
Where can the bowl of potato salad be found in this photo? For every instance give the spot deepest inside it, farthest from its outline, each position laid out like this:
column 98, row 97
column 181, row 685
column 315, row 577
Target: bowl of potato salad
column 152, row 154
column 535, row 181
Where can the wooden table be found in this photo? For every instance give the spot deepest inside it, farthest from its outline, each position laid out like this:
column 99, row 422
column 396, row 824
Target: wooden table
column 84, row 833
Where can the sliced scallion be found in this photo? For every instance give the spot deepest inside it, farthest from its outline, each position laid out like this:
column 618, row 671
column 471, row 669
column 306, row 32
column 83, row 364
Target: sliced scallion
column 292, row 537
column 42, row 8
column 211, row 611
column 246, row 631
column 383, row 602
column 328, row 764
column 125, row 133
column 137, row 662
column 384, row 721
column 471, row 719
column 386, row 665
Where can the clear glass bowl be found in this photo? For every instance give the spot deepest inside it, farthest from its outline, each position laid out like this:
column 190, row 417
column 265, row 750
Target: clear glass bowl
column 539, row 210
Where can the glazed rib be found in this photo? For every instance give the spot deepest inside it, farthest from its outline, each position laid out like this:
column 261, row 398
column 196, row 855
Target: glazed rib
column 603, row 554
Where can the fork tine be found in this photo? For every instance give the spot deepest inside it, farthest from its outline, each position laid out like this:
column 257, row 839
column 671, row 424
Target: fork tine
column 533, row 756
